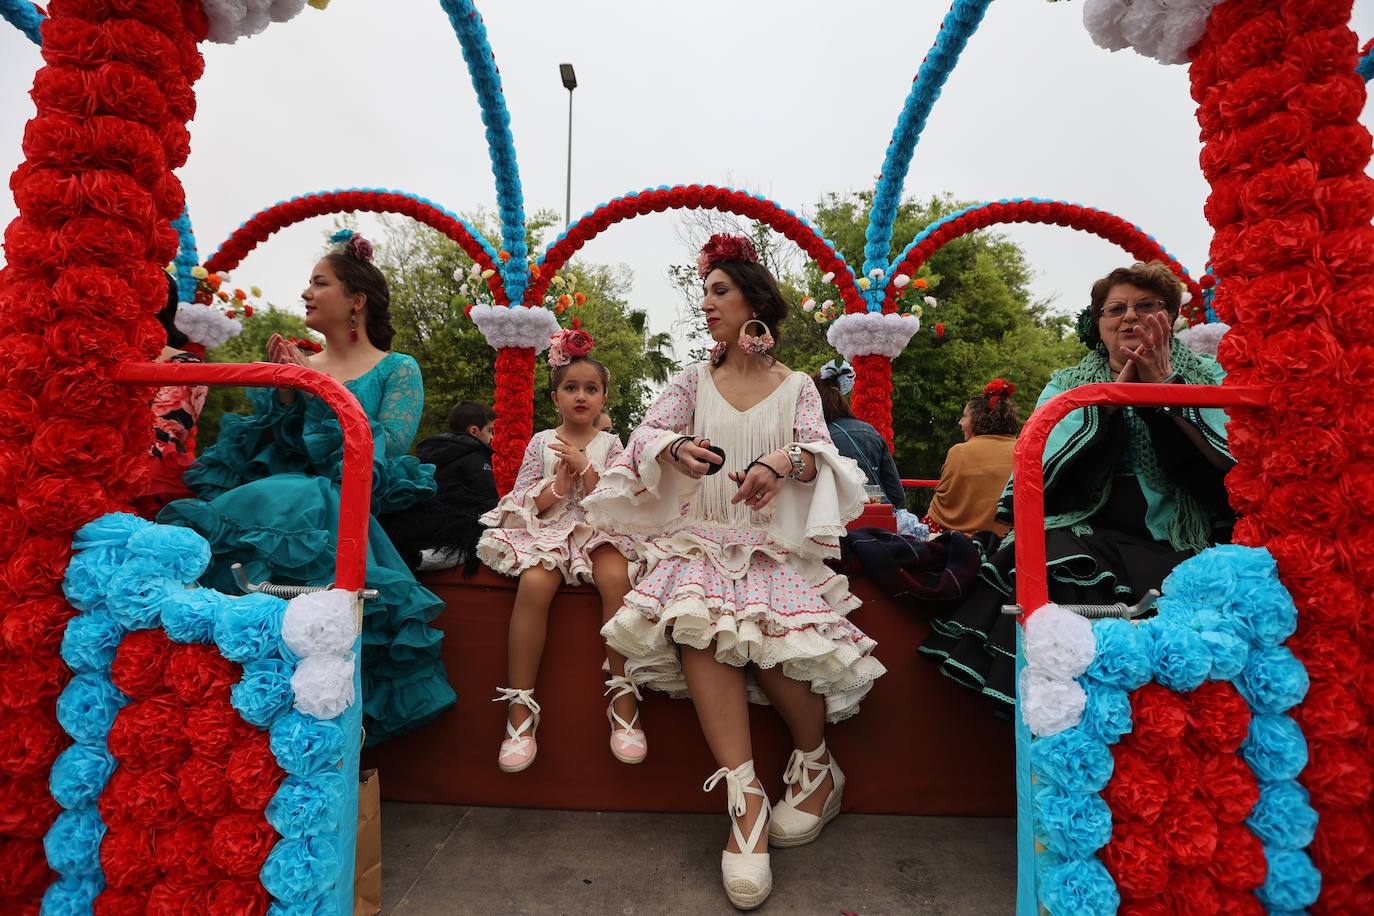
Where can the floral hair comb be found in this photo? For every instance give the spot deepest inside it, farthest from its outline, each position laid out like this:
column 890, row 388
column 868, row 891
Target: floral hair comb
column 569, row 344
column 998, row 390
column 353, row 244
column 723, row 247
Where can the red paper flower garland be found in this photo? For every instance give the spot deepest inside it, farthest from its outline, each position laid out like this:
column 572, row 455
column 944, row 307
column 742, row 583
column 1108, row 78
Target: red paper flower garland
column 1087, row 219
column 691, row 197
column 264, row 223
column 96, row 196
column 1278, row 101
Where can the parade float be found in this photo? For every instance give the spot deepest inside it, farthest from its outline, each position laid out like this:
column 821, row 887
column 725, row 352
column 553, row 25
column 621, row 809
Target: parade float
column 168, row 748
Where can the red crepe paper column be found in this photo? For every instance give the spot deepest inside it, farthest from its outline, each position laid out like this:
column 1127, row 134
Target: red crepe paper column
column 514, row 411
column 1279, row 102
column 872, row 398
column 96, row 196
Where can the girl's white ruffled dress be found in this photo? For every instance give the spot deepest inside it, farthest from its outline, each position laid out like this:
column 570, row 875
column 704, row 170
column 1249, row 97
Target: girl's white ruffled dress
column 754, row 583
column 518, row 537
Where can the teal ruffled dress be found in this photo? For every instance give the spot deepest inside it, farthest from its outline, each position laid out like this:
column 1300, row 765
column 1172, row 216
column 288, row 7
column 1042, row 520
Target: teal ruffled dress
column 269, row 499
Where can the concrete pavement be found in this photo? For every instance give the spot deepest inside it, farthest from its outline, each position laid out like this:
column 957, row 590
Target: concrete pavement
column 494, row 861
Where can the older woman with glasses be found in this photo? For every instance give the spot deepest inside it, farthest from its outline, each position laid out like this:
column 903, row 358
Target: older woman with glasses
column 1130, row 492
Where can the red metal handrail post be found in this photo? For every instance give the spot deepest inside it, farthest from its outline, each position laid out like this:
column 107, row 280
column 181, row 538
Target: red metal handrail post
column 355, row 497
column 1028, row 503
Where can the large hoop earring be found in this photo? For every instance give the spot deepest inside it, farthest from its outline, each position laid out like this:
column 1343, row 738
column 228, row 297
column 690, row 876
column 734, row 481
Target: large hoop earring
column 757, row 345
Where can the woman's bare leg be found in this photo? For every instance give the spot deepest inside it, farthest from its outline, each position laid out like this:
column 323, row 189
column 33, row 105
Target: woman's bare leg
column 722, row 704
column 803, row 711
column 529, row 624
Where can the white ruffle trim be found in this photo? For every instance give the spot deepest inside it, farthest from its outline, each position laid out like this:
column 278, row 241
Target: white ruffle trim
column 322, row 628
column 1160, row 29
column 204, row 325
column 518, row 327
column 834, row 660
column 1203, row 338
column 231, row 20
column 1059, row 646
column 872, row 334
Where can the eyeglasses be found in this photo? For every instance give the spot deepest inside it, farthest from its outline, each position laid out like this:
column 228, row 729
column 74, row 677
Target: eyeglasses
column 1117, row 310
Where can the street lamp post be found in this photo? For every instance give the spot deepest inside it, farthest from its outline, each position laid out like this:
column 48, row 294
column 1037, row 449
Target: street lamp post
column 569, row 83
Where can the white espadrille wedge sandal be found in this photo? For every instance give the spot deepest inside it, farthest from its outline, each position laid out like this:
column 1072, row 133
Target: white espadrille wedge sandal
column 803, row 776
column 747, row 874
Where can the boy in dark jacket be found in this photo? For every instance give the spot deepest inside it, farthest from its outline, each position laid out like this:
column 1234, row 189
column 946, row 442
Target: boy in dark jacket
column 443, row 532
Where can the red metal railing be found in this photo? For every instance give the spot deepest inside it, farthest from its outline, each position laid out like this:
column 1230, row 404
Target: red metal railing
column 919, row 482
column 1028, row 496
column 355, row 497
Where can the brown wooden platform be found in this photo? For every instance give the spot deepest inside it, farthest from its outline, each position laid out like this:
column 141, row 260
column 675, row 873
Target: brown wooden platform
column 920, row 745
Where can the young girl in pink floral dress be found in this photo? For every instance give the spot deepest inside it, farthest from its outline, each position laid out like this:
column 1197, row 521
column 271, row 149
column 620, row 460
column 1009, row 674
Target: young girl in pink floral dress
column 730, row 583
column 539, row 532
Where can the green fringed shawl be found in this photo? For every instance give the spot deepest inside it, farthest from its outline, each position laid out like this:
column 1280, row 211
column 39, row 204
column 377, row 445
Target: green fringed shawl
column 1191, row 524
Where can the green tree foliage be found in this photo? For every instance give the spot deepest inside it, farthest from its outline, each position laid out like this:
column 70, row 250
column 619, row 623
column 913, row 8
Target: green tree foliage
column 993, row 325
column 427, row 308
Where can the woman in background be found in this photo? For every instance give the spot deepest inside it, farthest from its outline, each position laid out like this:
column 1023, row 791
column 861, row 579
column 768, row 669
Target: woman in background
column 853, row 437
column 977, row 469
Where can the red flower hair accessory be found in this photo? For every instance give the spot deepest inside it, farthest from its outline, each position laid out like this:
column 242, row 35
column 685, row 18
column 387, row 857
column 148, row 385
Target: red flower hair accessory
column 723, row 247
column 569, row 344
column 998, row 390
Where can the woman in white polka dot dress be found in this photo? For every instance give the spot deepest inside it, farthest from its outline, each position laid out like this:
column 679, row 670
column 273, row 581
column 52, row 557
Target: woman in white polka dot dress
column 731, row 593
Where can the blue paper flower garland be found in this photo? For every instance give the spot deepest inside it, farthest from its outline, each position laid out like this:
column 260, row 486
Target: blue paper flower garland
column 959, row 25
column 24, row 16
column 486, row 81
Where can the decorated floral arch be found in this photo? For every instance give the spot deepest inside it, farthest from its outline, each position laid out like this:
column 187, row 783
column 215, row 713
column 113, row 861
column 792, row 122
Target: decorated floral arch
column 159, row 752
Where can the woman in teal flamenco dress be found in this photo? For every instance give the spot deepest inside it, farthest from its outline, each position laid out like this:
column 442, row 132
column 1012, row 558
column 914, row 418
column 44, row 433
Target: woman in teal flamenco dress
column 269, row 487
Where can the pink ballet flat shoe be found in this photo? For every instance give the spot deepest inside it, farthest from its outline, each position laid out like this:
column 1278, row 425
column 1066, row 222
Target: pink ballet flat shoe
column 628, row 743
column 519, row 748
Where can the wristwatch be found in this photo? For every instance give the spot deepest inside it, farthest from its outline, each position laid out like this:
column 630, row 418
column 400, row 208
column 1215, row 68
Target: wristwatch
column 794, row 454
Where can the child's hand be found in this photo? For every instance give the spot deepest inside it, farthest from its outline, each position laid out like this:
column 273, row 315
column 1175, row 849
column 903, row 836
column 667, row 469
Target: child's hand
column 563, row 477
column 569, row 454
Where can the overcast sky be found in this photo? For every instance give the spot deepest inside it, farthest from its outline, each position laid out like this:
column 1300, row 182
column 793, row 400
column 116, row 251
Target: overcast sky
column 792, row 99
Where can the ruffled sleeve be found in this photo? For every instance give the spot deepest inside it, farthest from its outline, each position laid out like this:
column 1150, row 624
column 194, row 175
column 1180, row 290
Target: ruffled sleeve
column 268, row 441
column 809, row 517
column 635, row 493
column 517, row 509
column 392, row 406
